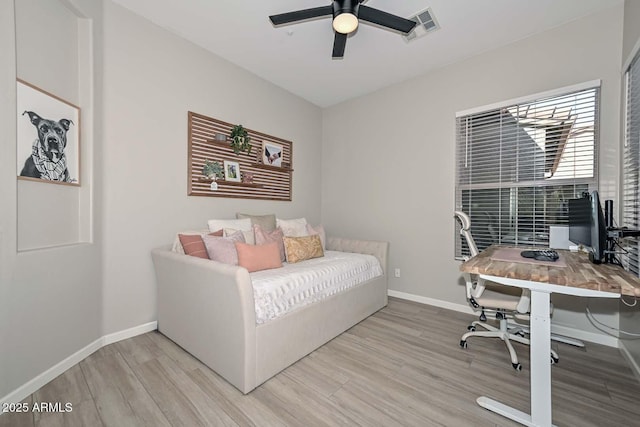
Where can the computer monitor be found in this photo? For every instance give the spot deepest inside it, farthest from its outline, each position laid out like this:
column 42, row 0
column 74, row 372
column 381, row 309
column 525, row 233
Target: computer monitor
column 580, row 221
column 587, row 226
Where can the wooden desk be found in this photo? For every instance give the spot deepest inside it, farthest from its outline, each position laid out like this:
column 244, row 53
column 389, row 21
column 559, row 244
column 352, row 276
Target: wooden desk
column 579, row 278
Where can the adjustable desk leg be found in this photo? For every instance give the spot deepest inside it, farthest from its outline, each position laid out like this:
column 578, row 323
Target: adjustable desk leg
column 540, row 372
column 540, row 359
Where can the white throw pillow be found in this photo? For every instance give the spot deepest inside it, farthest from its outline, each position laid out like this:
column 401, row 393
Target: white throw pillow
column 243, row 224
column 249, row 236
column 293, row 227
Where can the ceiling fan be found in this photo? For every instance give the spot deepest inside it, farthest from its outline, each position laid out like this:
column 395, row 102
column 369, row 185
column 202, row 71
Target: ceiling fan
column 346, row 14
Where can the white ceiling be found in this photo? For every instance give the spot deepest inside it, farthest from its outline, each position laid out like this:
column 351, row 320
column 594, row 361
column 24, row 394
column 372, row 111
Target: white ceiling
column 298, row 57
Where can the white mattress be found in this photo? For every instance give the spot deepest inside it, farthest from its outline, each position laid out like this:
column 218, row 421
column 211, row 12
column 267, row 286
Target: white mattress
column 281, row 290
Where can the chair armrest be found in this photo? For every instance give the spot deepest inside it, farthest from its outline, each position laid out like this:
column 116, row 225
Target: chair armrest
column 474, row 288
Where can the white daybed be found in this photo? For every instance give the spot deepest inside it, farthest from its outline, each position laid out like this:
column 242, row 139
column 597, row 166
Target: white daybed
column 208, row 308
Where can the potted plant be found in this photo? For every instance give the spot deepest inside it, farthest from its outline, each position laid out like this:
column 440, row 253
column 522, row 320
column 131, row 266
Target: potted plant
column 212, row 170
column 240, row 139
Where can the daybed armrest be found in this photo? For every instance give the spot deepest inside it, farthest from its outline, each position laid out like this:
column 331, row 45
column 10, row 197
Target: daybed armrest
column 201, row 302
column 369, row 247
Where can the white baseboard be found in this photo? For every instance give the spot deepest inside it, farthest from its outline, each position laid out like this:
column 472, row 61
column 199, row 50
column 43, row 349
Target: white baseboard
column 36, row 383
column 632, row 362
column 556, row 329
column 462, row 308
column 579, row 334
column 26, row 389
column 129, row 333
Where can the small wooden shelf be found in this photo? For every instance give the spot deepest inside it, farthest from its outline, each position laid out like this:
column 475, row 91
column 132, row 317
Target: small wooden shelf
column 219, row 143
column 228, row 146
column 271, row 168
column 239, row 184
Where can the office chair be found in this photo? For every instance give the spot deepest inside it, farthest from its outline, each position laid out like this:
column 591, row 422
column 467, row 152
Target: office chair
column 505, row 301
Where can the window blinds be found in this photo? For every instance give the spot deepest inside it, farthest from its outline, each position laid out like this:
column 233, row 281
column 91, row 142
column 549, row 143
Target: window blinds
column 631, row 166
column 517, row 165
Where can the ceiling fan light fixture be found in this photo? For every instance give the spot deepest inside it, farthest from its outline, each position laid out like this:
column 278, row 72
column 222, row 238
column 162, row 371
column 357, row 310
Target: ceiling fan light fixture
column 345, row 23
column 346, row 14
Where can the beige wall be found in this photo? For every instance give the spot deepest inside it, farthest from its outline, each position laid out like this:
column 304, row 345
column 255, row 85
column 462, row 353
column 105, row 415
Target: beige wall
column 152, row 78
column 8, row 216
column 52, row 62
column 389, row 160
column 631, row 28
column 387, row 168
column 50, row 299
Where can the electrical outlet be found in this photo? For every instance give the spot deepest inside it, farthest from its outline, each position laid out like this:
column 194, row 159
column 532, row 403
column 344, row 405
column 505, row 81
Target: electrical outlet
column 397, row 272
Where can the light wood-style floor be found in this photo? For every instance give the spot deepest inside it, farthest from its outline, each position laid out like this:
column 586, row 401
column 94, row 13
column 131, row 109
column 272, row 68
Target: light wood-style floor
column 400, row 367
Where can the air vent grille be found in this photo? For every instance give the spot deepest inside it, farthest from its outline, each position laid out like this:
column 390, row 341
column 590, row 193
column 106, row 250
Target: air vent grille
column 427, row 23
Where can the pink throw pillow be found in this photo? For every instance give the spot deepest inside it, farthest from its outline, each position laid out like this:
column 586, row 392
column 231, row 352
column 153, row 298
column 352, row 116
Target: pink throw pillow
column 222, row 249
column 258, row 257
column 264, row 237
column 193, row 245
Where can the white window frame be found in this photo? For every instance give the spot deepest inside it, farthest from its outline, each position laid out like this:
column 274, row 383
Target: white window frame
column 630, row 207
column 591, row 183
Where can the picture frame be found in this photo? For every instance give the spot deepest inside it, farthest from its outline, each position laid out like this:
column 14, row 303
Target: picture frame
column 231, row 171
column 48, row 137
column 272, row 154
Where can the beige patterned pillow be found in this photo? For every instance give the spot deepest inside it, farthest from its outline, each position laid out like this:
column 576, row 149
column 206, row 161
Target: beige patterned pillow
column 302, row 248
column 319, row 230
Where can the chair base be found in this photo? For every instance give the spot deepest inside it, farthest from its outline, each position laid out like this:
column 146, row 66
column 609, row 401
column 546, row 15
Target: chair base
column 554, row 337
column 506, row 334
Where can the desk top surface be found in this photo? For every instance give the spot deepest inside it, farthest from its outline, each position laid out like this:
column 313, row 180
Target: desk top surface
column 579, row 272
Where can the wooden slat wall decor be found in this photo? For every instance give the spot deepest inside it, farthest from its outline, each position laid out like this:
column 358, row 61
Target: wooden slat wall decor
column 269, row 182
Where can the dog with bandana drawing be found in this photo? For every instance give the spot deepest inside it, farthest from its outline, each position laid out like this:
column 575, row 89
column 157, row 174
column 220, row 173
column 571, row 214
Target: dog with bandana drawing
column 48, row 160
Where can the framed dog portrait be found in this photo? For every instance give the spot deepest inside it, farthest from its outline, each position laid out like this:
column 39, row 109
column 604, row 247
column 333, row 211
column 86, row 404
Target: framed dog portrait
column 48, row 145
column 272, row 154
column 231, row 171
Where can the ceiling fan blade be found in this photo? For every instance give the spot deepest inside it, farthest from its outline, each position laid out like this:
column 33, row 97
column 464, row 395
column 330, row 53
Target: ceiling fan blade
column 301, row 15
column 385, row 19
column 339, row 44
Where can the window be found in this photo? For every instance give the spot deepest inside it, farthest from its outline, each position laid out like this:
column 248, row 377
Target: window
column 631, row 165
column 518, row 163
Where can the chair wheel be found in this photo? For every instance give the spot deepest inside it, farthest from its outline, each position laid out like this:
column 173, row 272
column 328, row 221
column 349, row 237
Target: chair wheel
column 517, row 366
column 554, row 360
column 483, row 317
column 520, row 334
column 471, row 328
column 463, row 344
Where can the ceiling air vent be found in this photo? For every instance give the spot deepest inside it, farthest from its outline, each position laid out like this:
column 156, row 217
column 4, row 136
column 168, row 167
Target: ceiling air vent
column 426, row 24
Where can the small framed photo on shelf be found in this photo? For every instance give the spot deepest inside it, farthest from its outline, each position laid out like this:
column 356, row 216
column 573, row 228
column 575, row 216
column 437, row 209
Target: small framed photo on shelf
column 272, row 154
column 231, row 171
